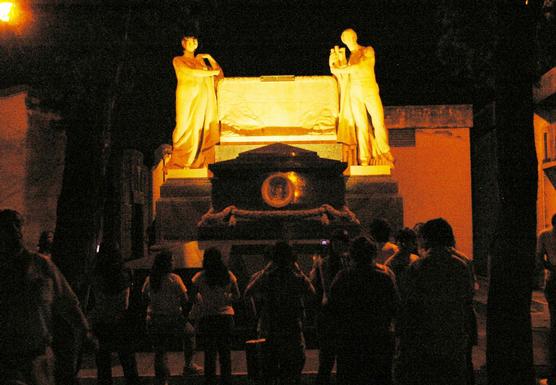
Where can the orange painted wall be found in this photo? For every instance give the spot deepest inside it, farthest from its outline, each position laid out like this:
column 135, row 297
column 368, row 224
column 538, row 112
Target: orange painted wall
column 435, row 180
column 544, row 122
column 13, row 129
column 31, row 163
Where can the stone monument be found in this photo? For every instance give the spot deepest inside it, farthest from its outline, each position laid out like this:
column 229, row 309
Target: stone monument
column 281, row 168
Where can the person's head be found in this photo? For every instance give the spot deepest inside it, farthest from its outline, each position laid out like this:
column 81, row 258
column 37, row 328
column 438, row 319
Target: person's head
column 407, row 239
column 283, row 255
column 339, row 242
column 11, row 227
column 108, row 254
column 163, row 264
column 554, row 221
column 216, row 271
column 380, row 230
column 437, row 233
column 349, row 38
column 189, row 43
column 363, row 251
column 46, row 240
column 109, row 267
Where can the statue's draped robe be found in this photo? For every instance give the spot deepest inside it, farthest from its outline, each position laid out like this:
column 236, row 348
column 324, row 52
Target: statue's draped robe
column 196, row 128
column 346, row 125
column 359, row 98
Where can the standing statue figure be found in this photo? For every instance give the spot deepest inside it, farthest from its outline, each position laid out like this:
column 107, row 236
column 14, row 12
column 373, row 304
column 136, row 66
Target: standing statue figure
column 360, row 94
column 196, row 129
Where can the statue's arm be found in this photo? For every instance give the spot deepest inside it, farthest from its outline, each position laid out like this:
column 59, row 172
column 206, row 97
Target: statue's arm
column 213, row 64
column 367, row 59
column 183, row 69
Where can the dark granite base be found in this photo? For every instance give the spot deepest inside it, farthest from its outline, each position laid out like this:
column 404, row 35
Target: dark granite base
column 184, row 201
column 371, row 197
column 181, row 205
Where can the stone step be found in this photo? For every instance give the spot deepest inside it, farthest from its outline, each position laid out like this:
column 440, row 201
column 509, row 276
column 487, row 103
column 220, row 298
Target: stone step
column 197, row 187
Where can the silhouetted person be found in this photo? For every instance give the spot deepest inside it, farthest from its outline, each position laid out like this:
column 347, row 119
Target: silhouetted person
column 111, row 289
column 46, row 241
column 400, row 260
column 380, row 230
column 546, row 257
column 32, row 291
column 283, row 286
column 323, row 273
column 434, row 324
column 364, row 301
column 214, row 290
column 167, row 313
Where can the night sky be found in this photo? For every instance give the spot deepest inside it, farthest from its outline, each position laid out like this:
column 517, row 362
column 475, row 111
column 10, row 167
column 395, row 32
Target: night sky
column 253, row 38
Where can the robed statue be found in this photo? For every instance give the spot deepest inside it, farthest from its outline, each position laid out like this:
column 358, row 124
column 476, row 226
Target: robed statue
column 359, row 95
column 196, row 130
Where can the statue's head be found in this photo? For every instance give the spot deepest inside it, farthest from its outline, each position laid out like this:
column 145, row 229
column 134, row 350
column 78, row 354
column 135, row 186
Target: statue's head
column 189, row 43
column 349, row 38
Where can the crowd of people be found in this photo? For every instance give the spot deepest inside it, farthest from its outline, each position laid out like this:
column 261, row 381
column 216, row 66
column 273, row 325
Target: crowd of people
column 388, row 312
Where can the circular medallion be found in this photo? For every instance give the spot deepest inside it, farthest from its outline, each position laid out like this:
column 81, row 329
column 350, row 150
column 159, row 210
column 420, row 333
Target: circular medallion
column 277, row 190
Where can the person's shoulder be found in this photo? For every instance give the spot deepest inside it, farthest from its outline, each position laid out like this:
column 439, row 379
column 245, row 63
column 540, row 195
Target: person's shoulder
column 233, row 278
column 197, row 277
column 547, row 233
column 42, row 262
column 383, row 271
column 343, row 274
column 174, row 278
column 459, row 260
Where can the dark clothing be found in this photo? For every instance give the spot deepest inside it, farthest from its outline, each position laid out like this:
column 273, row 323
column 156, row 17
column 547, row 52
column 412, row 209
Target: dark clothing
column 282, row 289
column 323, row 274
column 32, row 370
column 284, row 358
column 164, row 331
column 364, row 302
column 114, row 337
column 32, row 293
column 216, row 334
column 366, row 360
column 434, row 324
column 550, row 294
column 113, row 333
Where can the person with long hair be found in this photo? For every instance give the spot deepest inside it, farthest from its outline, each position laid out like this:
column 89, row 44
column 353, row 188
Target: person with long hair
column 214, row 289
column 111, row 289
column 167, row 312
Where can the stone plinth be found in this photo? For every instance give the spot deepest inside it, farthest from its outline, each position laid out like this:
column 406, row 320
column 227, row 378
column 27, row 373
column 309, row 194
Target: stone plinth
column 181, row 204
column 371, row 197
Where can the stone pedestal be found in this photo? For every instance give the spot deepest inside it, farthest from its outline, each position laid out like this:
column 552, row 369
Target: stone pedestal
column 181, row 205
column 371, row 197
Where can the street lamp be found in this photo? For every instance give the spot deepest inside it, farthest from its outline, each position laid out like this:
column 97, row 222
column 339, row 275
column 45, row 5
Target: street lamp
column 7, row 12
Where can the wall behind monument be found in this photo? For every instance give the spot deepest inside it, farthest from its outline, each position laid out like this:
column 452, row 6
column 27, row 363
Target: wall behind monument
column 544, row 122
column 32, row 162
column 433, row 165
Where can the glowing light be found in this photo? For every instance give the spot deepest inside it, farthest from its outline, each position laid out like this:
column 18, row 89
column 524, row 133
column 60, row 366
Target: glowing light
column 7, row 11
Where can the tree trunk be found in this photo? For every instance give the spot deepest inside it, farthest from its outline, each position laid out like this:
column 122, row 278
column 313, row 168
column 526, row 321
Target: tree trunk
column 509, row 334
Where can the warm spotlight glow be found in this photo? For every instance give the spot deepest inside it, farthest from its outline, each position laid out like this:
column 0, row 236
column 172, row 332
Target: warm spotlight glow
column 7, row 11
